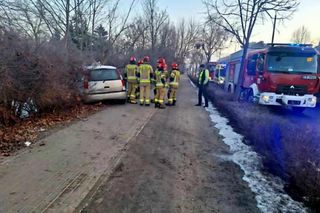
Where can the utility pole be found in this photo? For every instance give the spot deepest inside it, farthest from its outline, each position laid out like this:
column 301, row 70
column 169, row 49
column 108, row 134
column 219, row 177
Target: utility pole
column 274, row 27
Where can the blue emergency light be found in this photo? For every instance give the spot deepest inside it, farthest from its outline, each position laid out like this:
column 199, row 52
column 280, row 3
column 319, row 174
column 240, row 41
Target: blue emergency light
column 290, row 44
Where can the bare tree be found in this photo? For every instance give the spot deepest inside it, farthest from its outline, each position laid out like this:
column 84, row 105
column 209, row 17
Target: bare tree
column 213, row 39
column 301, row 35
column 239, row 17
column 59, row 13
column 116, row 25
column 155, row 19
column 136, row 37
column 187, row 36
column 23, row 16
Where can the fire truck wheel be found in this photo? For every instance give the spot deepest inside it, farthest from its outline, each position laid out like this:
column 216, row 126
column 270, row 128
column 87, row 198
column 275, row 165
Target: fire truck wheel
column 243, row 95
column 250, row 96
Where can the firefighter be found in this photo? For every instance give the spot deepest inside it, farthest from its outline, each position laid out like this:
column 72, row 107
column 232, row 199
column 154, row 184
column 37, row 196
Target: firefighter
column 138, row 86
column 132, row 80
column 160, row 79
column 174, row 80
column 145, row 74
column 203, row 82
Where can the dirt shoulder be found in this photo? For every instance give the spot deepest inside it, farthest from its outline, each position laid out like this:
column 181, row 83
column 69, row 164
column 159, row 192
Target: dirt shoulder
column 175, row 165
column 56, row 176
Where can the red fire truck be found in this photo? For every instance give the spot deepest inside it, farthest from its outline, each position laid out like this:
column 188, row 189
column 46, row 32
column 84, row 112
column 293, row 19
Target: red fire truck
column 280, row 74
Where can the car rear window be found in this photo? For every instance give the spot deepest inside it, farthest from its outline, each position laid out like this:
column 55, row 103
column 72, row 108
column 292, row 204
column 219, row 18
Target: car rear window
column 104, row 75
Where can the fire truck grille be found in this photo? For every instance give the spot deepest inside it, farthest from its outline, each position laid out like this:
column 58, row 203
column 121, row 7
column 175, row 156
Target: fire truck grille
column 291, row 90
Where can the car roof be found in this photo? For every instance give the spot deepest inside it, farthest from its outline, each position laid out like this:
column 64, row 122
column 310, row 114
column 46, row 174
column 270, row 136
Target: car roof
column 100, row 67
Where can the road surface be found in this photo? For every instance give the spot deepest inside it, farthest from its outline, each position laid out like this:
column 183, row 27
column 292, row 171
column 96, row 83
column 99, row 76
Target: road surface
column 128, row 159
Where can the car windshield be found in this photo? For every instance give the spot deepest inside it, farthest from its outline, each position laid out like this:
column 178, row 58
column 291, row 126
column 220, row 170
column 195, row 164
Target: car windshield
column 104, row 75
column 294, row 63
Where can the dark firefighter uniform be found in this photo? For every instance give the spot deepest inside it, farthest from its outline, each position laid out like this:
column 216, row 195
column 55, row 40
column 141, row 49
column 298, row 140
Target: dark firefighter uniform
column 131, row 75
column 145, row 73
column 203, row 82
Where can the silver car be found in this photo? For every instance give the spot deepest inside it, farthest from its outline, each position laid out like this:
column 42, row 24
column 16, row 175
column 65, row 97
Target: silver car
column 103, row 83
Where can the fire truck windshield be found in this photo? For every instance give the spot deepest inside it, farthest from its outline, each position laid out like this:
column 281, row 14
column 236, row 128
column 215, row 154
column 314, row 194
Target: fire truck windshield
column 292, row 63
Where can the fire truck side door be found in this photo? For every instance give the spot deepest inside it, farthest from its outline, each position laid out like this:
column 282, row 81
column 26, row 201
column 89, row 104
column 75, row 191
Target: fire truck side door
column 318, row 64
column 251, row 65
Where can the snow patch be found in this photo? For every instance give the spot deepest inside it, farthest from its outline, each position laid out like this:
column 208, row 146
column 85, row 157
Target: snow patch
column 269, row 189
column 192, row 84
column 27, row 143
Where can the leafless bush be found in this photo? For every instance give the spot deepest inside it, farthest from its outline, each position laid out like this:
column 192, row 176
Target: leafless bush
column 36, row 78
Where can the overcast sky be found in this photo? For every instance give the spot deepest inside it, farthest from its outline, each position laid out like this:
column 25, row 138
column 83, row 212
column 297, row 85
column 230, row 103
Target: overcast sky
column 308, row 14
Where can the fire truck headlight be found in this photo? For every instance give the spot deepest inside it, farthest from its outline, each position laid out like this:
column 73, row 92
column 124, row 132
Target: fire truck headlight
column 266, row 98
column 312, row 100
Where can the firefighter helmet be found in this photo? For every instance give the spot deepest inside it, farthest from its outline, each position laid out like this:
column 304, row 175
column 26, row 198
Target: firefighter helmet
column 140, row 62
column 146, row 59
column 161, row 66
column 161, row 60
column 133, row 60
column 175, row 66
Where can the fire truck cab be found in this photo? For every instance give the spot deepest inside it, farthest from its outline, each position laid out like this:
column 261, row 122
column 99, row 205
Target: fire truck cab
column 281, row 74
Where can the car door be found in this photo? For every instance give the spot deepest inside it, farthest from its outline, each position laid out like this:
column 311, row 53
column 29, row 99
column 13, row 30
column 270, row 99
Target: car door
column 104, row 81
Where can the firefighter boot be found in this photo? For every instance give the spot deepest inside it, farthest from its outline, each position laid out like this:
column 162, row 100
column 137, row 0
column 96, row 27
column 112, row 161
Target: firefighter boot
column 161, row 106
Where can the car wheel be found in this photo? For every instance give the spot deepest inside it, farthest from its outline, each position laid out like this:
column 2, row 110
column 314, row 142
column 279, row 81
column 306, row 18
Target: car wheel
column 243, row 95
column 124, row 101
column 250, row 96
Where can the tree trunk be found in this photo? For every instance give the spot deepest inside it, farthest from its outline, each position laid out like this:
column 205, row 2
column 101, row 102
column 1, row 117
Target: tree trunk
column 241, row 72
column 93, row 25
column 67, row 34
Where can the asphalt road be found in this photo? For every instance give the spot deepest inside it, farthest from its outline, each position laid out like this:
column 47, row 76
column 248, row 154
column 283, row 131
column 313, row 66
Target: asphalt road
column 128, row 159
column 173, row 165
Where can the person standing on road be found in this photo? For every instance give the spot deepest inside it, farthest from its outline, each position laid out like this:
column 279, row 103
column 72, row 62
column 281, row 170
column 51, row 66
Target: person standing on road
column 145, row 74
column 138, row 85
column 203, row 82
column 160, row 79
column 174, row 80
column 132, row 80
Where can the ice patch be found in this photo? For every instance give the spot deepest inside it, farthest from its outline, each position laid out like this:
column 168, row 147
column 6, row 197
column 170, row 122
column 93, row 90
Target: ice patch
column 269, row 189
column 192, row 84
column 27, row 143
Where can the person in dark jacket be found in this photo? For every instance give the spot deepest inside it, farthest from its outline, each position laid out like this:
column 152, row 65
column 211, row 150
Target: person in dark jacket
column 203, row 82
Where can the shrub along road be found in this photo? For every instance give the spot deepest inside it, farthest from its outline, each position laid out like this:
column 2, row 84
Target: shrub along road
column 129, row 159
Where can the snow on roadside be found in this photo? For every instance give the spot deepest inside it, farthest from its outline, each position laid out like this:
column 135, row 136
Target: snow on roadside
column 269, row 189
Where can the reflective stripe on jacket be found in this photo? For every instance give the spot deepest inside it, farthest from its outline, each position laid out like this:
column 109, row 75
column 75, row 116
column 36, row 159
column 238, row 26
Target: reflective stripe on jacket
column 145, row 71
column 131, row 71
column 203, row 77
column 174, row 78
column 160, row 78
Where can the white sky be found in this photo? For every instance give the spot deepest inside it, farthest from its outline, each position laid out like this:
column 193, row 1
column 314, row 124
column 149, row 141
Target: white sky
column 308, row 14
